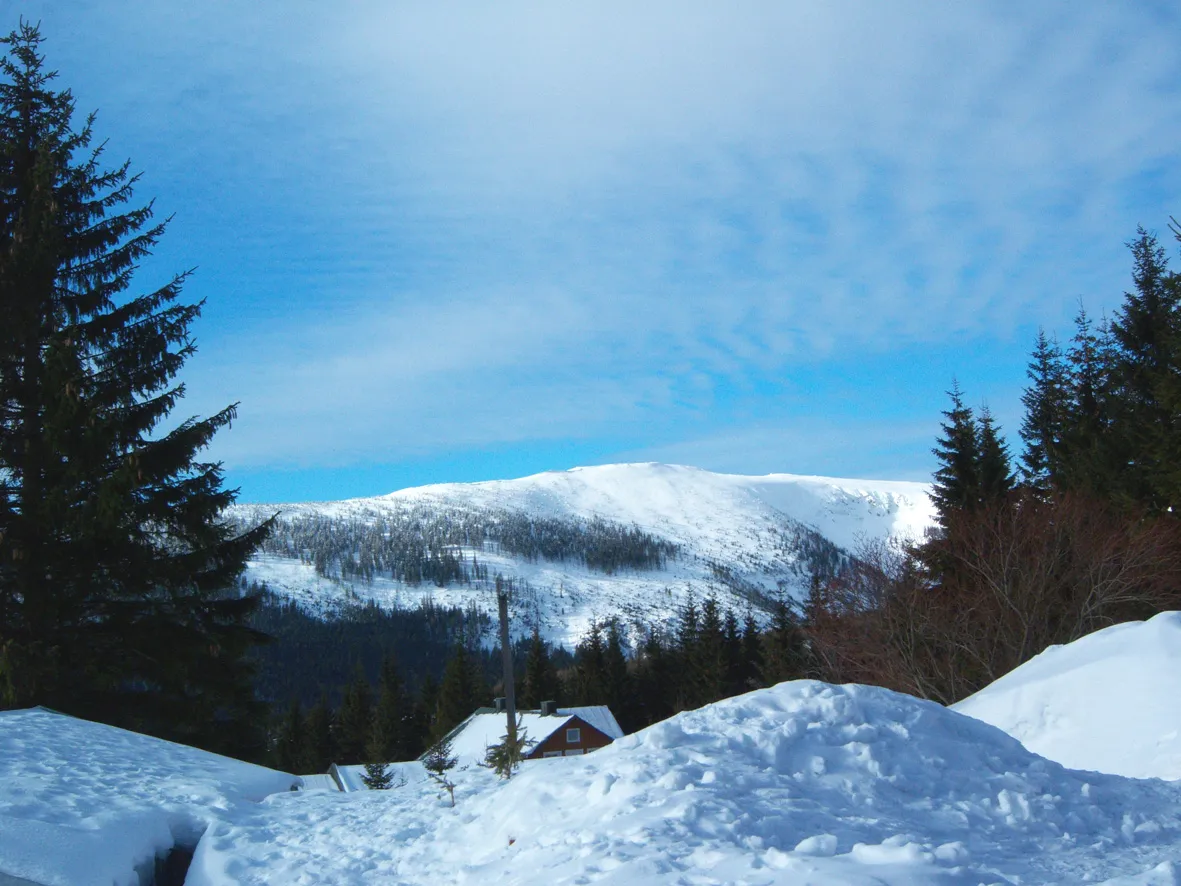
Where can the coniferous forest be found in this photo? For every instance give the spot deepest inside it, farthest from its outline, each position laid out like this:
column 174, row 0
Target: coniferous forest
column 422, row 544
column 1078, row 532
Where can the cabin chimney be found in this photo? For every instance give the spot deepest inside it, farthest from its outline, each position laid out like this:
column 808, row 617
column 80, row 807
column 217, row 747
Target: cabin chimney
column 548, row 708
column 499, row 702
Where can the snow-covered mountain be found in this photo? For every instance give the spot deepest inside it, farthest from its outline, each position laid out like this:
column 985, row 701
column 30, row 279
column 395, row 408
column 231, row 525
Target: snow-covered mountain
column 629, row 540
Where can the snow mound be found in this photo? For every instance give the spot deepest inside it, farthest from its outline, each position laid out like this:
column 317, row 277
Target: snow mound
column 83, row 803
column 1105, row 702
column 801, row 783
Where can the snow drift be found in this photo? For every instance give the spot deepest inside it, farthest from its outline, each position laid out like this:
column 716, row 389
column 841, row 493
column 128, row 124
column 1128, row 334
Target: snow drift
column 801, row 783
column 82, row 803
column 1106, row 702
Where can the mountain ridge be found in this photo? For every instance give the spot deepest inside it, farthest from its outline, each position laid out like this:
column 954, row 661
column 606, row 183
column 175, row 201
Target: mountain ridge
column 744, row 539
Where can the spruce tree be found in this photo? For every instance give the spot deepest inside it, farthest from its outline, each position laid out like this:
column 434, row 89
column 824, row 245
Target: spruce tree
column 377, row 776
column 461, row 691
column 289, row 741
column 994, row 468
column 541, row 679
column 752, row 653
column 590, row 668
column 116, row 568
column 785, row 648
column 956, row 485
column 734, row 664
column 355, row 718
column 1046, row 403
column 655, row 679
column 318, row 745
column 1093, row 462
column 438, row 762
column 708, row 658
column 390, row 737
column 619, row 692
column 1146, row 361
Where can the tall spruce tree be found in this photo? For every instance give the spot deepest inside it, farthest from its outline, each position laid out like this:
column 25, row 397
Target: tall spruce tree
column 318, row 744
column 391, row 736
column 956, row 485
column 1046, row 403
column 995, row 467
column 289, row 740
column 541, row 679
column 1146, row 362
column 590, row 667
column 1093, row 462
column 355, row 718
column 785, row 648
column 461, row 691
column 619, row 686
column 115, row 564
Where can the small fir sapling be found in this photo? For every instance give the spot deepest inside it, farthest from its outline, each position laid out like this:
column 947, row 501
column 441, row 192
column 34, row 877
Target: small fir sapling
column 506, row 756
column 378, row 777
column 438, row 762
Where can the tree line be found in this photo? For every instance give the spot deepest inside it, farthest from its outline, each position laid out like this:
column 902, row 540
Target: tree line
column 709, row 653
column 1080, row 532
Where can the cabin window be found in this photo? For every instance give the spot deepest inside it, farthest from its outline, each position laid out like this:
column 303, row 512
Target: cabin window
column 574, row 752
column 552, row 754
column 573, row 736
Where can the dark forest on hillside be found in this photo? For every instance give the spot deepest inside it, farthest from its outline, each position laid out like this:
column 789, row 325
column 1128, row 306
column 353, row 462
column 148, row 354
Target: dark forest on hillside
column 423, row 543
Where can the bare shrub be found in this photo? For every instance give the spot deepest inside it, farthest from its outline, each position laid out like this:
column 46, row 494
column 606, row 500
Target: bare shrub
column 997, row 587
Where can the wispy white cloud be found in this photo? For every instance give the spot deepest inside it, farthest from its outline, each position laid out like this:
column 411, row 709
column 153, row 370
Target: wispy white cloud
column 460, row 225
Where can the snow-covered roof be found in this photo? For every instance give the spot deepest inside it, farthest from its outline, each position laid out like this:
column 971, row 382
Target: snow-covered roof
column 403, row 773
column 84, row 803
column 599, row 716
column 318, row 783
column 471, row 739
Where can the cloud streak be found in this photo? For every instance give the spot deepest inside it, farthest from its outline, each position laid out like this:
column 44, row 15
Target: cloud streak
column 446, row 227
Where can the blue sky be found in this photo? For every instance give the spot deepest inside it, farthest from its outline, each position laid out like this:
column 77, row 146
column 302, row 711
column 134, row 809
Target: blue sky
column 470, row 241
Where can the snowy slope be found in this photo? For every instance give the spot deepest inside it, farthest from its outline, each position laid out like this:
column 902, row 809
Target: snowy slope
column 743, row 524
column 1108, row 701
column 82, row 803
column 804, row 783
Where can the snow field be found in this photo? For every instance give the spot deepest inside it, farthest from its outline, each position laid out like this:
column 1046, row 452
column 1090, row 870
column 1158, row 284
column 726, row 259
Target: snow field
column 801, row 783
column 82, row 803
column 1107, row 701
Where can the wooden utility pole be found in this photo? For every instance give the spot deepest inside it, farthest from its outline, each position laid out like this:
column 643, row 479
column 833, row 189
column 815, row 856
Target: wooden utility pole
column 506, row 658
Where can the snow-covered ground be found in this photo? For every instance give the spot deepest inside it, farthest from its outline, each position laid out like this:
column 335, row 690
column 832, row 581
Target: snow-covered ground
column 82, row 803
column 801, row 783
column 1107, row 702
column 727, row 519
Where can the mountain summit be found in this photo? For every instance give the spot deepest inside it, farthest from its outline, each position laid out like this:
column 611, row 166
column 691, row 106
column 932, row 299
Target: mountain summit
column 629, row 540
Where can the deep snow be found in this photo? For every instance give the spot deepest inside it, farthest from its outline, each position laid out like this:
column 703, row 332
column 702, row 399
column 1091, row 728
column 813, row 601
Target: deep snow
column 82, row 803
column 801, row 783
column 1108, row 701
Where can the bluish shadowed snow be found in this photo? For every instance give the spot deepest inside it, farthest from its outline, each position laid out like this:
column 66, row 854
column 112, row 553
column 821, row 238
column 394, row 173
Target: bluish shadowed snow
column 801, row 783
